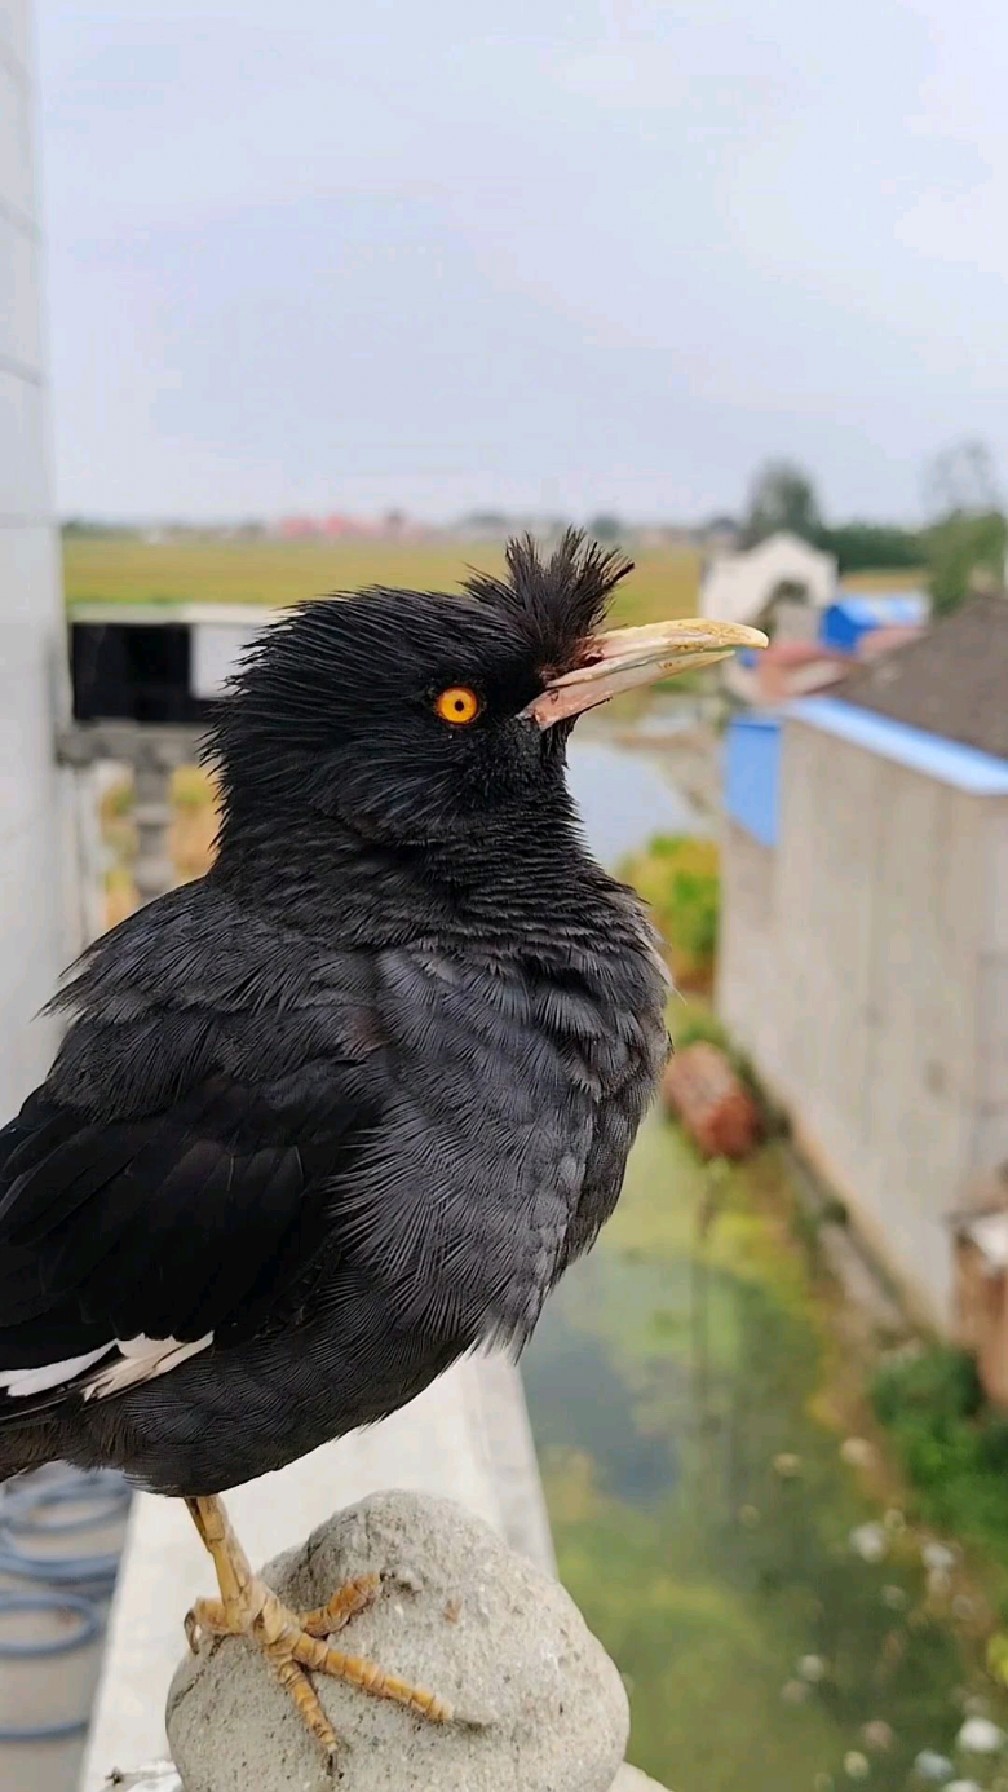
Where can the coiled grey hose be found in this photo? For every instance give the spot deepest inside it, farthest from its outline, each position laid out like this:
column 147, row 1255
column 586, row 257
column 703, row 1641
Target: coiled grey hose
column 74, row 1583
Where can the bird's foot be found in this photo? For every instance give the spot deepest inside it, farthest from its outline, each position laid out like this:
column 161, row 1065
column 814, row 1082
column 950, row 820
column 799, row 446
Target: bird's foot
column 296, row 1645
column 210, row 1617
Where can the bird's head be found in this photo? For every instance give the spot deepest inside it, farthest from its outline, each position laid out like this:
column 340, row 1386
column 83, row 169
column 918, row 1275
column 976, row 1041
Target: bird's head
column 418, row 717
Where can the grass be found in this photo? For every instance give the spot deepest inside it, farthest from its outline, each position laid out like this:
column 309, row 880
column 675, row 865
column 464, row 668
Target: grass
column 129, row 569
column 953, row 1449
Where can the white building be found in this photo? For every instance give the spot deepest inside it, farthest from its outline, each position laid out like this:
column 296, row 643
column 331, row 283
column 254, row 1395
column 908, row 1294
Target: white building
column 744, row 586
column 32, row 939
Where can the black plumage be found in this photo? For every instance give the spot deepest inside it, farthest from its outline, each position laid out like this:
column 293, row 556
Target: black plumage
column 346, row 1107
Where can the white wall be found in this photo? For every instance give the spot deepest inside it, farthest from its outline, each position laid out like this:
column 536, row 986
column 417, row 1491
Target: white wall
column 737, row 587
column 32, row 936
column 864, row 965
column 991, row 1146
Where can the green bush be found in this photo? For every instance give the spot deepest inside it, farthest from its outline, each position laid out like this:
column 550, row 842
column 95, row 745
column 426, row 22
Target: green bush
column 696, row 899
column 936, row 1383
column 680, row 877
column 992, row 1445
column 702, row 1026
column 953, row 1448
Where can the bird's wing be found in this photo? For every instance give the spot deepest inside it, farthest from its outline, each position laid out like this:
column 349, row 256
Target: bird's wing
column 126, row 1245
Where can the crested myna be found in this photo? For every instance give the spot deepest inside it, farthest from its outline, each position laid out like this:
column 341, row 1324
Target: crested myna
column 347, row 1106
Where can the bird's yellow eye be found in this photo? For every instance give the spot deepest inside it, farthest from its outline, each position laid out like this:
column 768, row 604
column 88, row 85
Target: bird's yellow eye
column 458, row 705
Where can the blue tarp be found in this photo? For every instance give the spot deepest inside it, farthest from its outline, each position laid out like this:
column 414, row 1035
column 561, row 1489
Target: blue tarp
column 752, row 775
column 844, row 623
column 752, row 758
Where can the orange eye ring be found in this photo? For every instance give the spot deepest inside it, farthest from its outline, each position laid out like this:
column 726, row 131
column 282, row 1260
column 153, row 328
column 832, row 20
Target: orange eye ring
column 458, row 705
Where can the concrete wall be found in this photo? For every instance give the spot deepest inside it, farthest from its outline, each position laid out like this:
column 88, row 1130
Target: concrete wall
column 865, row 967
column 748, row 994
column 32, row 939
column 991, row 1142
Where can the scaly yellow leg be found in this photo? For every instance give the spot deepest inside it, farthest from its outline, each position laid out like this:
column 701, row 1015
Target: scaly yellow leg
column 292, row 1644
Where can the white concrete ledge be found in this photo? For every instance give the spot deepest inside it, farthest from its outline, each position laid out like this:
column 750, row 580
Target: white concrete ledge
column 160, row 1776
column 466, row 1438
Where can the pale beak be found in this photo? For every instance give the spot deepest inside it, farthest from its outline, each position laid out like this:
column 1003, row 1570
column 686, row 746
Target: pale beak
column 623, row 658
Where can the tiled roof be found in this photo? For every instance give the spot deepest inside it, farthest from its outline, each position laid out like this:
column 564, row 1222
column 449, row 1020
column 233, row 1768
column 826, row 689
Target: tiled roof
column 950, row 681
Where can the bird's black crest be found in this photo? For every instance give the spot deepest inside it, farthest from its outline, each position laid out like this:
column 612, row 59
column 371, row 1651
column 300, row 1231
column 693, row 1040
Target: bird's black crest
column 317, row 680
column 557, row 601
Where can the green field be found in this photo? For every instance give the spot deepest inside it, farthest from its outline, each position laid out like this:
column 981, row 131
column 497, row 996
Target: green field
column 128, row 569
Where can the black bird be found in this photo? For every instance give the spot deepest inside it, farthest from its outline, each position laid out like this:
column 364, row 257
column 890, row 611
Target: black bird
column 347, row 1106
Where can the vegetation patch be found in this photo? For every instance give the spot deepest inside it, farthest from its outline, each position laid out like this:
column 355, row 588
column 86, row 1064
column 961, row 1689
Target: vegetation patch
column 952, row 1446
column 679, row 876
column 205, row 569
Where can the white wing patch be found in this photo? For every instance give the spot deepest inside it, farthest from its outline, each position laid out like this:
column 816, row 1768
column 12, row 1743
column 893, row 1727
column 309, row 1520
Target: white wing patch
column 19, row 1383
column 136, row 1360
column 141, row 1359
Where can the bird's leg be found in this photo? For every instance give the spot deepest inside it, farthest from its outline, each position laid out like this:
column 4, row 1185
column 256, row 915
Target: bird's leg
column 292, row 1644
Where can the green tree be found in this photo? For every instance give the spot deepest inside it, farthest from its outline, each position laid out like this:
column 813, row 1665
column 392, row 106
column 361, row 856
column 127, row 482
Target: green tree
column 781, row 496
column 969, row 534
column 968, row 539
column 962, row 479
column 965, row 554
column 873, row 547
column 605, row 527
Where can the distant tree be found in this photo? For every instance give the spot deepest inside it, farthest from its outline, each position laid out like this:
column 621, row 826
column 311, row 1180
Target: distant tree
column 781, row 496
column 968, row 537
column 605, row 527
column 81, row 525
column 873, row 547
column 966, row 554
column 961, row 480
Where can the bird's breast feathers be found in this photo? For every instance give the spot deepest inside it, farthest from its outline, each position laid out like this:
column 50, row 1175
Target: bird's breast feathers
column 445, row 1129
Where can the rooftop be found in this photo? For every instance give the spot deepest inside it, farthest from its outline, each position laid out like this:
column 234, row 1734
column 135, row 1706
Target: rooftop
column 950, row 681
column 965, row 768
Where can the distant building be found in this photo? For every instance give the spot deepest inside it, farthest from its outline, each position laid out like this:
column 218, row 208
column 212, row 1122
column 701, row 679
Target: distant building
column 787, row 669
column 746, row 586
column 864, row 951
column 853, row 616
column 812, row 648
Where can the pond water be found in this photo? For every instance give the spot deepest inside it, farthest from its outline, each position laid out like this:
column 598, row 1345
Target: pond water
column 779, row 1631
column 625, row 798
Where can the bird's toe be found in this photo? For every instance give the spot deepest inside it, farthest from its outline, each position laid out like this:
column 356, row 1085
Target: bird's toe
column 347, row 1602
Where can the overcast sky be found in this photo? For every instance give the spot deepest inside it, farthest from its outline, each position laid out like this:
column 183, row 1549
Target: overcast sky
column 567, row 255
